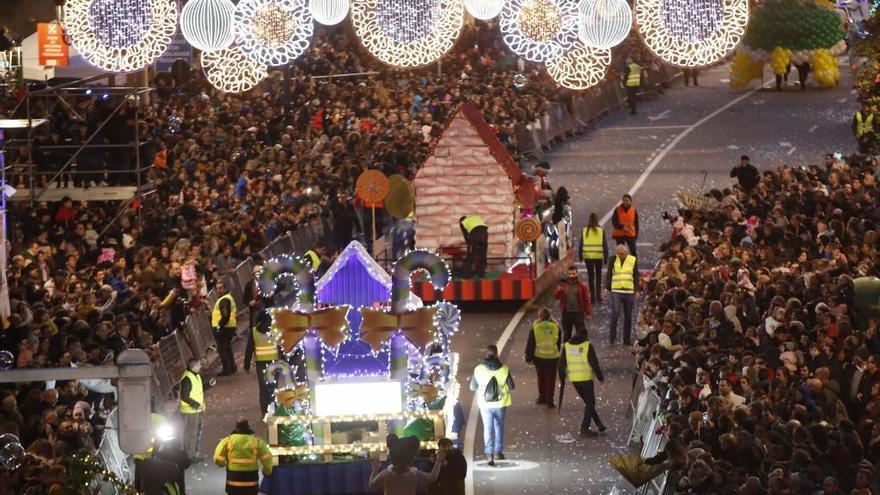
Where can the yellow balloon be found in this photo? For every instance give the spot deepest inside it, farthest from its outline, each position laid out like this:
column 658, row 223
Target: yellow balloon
column 779, row 59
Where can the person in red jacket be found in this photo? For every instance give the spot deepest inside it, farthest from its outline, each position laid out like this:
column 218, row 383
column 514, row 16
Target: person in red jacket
column 574, row 303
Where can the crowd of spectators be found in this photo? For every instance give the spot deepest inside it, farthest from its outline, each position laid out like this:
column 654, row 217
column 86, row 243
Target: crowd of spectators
column 228, row 173
column 752, row 336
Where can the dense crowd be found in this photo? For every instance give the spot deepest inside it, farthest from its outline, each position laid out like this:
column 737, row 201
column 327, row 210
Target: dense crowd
column 753, row 337
column 230, row 174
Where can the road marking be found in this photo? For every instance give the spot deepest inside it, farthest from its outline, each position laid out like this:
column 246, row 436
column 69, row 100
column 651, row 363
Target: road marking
column 813, row 129
column 641, row 127
column 791, row 151
column 644, row 244
column 665, row 151
column 471, row 426
column 507, row 466
column 785, row 144
column 660, row 116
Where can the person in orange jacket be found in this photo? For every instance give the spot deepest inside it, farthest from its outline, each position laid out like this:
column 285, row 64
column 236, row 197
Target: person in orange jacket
column 625, row 221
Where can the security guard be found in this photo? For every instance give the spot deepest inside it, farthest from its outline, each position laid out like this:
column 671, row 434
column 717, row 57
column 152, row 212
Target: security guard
column 224, row 324
column 580, row 363
column 622, row 282
column 315, row 258
column 863, row 128
column 542, row 349
column 632, row 79
column 594, row 253
column 192, row 407
column 158, row 422
column 493, row 383
column 242, row 454
column 262, row 348
column 476, row 235
column 625, row 223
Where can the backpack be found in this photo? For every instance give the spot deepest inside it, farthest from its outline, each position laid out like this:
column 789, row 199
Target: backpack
column 492, row 392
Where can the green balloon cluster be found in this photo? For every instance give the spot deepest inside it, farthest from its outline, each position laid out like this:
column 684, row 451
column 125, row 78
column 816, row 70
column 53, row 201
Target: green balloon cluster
column 793, row 24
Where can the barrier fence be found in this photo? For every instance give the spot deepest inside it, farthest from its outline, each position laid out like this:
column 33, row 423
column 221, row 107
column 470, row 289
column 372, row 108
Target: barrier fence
column 647, row 422
column 560, row 120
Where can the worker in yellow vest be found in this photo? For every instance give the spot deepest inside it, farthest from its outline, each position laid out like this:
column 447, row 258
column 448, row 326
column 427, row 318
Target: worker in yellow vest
column 243, row 454
column 863, row 128
column 622, row 281
column 542, row 350
column 594, row 254
column 161, row 427
column 192, row 407
column 580, row 363
column 224, row 323
column 493, row 384
column 632, row 80
column 315, row 259
column 476, row 234
column 262, row 348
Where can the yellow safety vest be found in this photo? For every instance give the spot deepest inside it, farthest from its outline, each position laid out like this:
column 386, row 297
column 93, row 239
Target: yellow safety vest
column 546, row 337
column 314, row 258
column 265, row 348
column 622, row 276
column 576, row 362
column 215, row 315
column 483, row 375
column 171, row 488
column 593, row 241
column 471, row 222
column 243, row 452
column 156, row 421
column 864, row 126
column 197, row 394
column 634, row 79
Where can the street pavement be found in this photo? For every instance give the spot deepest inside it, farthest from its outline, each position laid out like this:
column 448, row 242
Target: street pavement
column 678, row 141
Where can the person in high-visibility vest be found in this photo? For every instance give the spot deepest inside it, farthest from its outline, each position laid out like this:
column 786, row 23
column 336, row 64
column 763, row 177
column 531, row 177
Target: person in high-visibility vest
column 157, row 421
column 863, row 128
column 542, row 350
column 581, row 364
column 625, row 223
column 192, row 407
column 493, row 384
column 261, row 346
column 622, row 282
column 315, row 259
column 594, row 254
column 243, row 454
column 632, row 80
column 223, row 321
column 476, row 235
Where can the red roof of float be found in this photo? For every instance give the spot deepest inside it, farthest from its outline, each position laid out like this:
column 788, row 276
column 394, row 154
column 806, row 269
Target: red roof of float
column 488, row 135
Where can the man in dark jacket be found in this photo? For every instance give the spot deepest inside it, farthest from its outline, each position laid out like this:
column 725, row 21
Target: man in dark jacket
column 574, row 303
column 450, row 481
column 746, row 174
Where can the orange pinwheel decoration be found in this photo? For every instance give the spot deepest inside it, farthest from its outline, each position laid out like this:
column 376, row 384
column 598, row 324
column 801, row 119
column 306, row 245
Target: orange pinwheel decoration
column 379, row 326
column 328, row 323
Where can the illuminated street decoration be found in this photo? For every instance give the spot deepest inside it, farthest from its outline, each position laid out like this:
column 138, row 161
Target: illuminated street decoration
column 581, row 67
column 231, row 71
column 604, row 23
column 484, row 9
column 692, row 33
column 539, row 30
column 329, row 12
column 207, row 24
column 407, row 33
column 273, row 32
column 120, row 35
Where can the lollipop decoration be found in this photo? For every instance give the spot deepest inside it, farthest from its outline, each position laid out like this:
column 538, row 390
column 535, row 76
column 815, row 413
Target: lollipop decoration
column 7, row 360
column 372, row 188
column 527, row 229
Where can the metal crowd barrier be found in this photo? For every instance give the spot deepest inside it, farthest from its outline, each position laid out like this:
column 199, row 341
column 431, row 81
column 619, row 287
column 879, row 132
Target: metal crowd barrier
column 647, row 414
column 109, row 452
column 557, row 121
column 196, row 337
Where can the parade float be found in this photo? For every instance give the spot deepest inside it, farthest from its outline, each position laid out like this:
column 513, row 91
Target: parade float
column 470, row 172
column 783, row 32
column 364, row 358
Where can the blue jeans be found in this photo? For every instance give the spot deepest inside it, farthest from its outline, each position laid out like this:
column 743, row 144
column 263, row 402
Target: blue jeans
column 493, row 429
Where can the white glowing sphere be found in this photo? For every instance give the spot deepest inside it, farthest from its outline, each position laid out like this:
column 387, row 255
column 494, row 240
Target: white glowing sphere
column 329, row 12
column 484, row 9
column 207, row 24
column 604, row 23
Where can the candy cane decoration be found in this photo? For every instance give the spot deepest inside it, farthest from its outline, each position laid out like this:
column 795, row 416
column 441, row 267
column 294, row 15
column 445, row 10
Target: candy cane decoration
column 280, row 374
column 403, row 269
column 285, row 266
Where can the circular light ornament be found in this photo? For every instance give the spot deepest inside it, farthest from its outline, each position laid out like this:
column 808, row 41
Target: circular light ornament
column 604, row 23
column 539, row 30
column 407, row 33
column 329, row 12
column 581, row 67
column 484, row 9
column 273, row 32
column 692, row 33
column 231, row 71
column 120, row 35
column 207, row 24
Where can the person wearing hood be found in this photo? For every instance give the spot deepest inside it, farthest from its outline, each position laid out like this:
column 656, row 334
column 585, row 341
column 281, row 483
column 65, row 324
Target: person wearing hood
column 625, row 223
column 243, row 454
column 262, row 348
column 493, row 384
column 581, row 364
column 453, row 470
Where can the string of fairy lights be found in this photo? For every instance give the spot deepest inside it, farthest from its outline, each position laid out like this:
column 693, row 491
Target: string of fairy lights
column 128, row 35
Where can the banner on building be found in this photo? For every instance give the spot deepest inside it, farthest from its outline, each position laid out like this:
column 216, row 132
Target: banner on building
column 50, row 44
